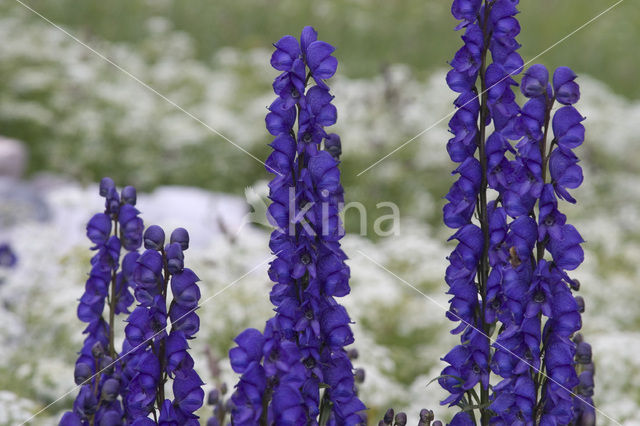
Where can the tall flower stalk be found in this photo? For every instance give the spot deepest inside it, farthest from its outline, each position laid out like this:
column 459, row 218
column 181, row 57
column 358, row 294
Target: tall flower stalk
column 128, row 386
column 297, row 371
column 508, row 275
column 107, row 288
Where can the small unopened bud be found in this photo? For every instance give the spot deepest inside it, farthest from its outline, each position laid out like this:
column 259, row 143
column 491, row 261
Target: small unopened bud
column 129, row 195
column 575, row 284
column 401, row 419
column 213, row 397
column 106, row 185
column 580, row 302
column 175, row 258
column 333, row 145
column 180, row 236
column 82, row 372
column 437, row 423
column 359, row 375
column 154, row 238
column 583, row 353
column 585, row 387
column 223, row 388
column 426, row 417
column 577, row 338
column 97, row 350
column 352, row 354
column 388, row 416
column 110, row 389
column 106, row 365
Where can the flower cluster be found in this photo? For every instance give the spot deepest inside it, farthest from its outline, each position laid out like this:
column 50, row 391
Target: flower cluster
column 153, row 355
column 118, row 227
column 301, row 350
column 509, row 269
column 125, row 387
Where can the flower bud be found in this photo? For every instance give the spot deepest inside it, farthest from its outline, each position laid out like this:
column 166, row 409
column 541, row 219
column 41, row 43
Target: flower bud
column 333, row 145
column 82, row 373
column 175, row 258
column 575, row 284
column 99, row 228
column 352, row 354
column 583, row 353
column 97, row 350
column 180, row 236
column 112, row 204
column 213, row 397
column 388, row 416
column 107, row 365
column 566, row 89
column 106, row 185
column 401, row 419
column 577, row 338
column 585, row 387
column 223, row 388
column 86, row 402
column 437, row 423
column 535, row 81
column 129, row 195
column 154, row 238
column 580, row 302
column 359, row 375
column 110, row 418
column 110, row 389
column 426, row 417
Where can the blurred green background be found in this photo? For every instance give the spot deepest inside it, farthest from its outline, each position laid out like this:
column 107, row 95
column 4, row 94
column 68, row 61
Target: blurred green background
column 370, row 35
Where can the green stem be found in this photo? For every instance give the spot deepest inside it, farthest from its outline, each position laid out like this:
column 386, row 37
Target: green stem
column 483, row 269
column 162, row 349
column 112, row 303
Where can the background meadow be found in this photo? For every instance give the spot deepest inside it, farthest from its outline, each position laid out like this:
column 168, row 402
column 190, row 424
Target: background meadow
column 81, row 119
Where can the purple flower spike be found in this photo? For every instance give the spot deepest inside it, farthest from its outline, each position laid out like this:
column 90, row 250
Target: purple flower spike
column 283, row 368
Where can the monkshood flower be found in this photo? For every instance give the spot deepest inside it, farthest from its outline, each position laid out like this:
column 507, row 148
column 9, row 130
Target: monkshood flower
column 302, row 348
column 157, row 356
column 485, row 96
column 100, row 379
column 498, row 271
